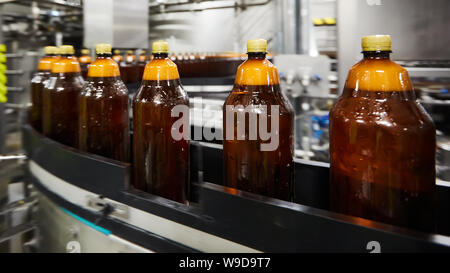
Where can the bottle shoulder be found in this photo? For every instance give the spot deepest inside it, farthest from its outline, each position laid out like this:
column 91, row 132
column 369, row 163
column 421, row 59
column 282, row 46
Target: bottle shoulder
column 40, row 77
column 103, row 67
column 62, row 81
column 67, row 65
column 384, row 113
column 161, row 70
column 241, row 97
column 378, row 75
column 257, row 72
column 159, row 94
column 104, row 88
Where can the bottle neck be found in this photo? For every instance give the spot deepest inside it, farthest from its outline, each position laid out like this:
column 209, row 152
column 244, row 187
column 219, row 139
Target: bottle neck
column 104, row 56
column 160, row 56
column 66, row 55
column 256, row 55
column 377, row 55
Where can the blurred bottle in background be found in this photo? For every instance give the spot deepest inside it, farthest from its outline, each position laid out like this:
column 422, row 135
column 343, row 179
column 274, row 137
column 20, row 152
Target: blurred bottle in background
column 129, row 68
column 60, row 96
column 85, row 59
column 117, row 57
column 141, row 62
column 38, row 82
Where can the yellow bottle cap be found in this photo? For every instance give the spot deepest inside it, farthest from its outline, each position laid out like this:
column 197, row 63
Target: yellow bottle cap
column 50, row 50
column 129, row 52
column 318, row 21
column 3, row 92
column 3, row 89
column 376, row 43
column 104, row 49
column 66, row 50
column 257, row 45
column 3, row 98
column 329, row 20
column 116, row 51
column 3, row 79
column 160, row 47
column 85, row 51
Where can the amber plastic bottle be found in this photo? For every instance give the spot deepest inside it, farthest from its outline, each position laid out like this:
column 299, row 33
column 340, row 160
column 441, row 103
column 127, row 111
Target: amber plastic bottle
column 382, row 144
column 141, row 62
column 85, row 59
column 60, row 110
column 161, row 163
column 130, row 68
column 246, row 166
column 103, row 107
column 117, row 57
column 38, row 82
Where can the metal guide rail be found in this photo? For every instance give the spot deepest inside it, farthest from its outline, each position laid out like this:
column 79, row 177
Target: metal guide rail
column 219, row 219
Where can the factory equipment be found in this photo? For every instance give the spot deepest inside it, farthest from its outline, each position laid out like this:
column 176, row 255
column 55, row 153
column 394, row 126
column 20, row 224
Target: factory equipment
column 304, row 75
column 414, row 26
column 305, row 80
column 122, row 24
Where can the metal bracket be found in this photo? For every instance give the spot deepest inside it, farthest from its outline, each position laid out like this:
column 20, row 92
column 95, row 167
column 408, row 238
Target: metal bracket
column 108, row 207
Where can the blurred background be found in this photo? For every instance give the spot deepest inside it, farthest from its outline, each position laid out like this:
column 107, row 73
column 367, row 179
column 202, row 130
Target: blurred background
column 312, row 42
